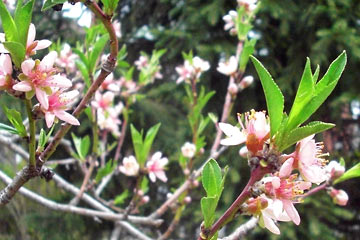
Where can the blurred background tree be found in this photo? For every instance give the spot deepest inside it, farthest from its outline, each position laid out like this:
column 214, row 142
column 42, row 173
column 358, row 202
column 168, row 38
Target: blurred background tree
column 287, row 33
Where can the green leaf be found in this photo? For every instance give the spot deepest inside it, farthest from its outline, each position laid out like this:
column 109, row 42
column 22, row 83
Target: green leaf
column 149, row 139
column 50, row 3
column 144, row 186
column 304, row 94
column 208, row 207
column 322, row 89
column 273, row 95
column 22, row 18
column 353, row 172
column 96, row 52
column 302, row 132
column 17, row 52
column 8, row 24
column 105, row 170
column 82, row 146
column 122, row 53
column 16, row 120
column 249, row 47
column 211, row 178
column 84, row 72
column 119, row 199
column 138, row 144
column 8, row 128
column 42, row 139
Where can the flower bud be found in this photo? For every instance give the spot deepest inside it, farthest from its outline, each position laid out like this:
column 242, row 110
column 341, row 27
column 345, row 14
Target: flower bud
column 187, row 199
column 188, row 150
column 243, row 152
column 334, row 170
column 145, row 199
column 246, row 81
column 233, row 89
column 339, row 197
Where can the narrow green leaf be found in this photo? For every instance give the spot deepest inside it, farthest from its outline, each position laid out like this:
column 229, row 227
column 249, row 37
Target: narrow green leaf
column 17, row 52
column 16, row 120
column 120, row 199
column 96, row 52
column 8, row 24
column 42, row 139
column 138, row 144
column 85, row 146
column 353, row 172
column 50, row 3
column 208, row 207
column 211, row 178
column 8, row 128
column 144, row 186
column 302, row 132
column 22, row 18
column 149, row 139
column 304, row 94
column 249, row 47
column 84, row 72
column 322, row 89
column 105, row 170
column 316, row 74
column 274, row 97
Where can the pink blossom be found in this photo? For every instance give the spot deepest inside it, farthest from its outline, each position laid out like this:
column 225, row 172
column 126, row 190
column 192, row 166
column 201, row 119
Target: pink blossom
column 130, row 166
column 103, row 101
column 58, row 104
column 155, row 167
column 185, row 72
column 339, row 197
column 229, row 67
column 230, row 20
column 33, row 45
column 188, row 150
column 306, row 158
column 38, row 78
column 255, row 132
column 6, row 69
column 334, row 170
column 109, row 119
column 285, row 192
column 110, row 84
column 142, row 62
column 66, row 59
column 246, row 81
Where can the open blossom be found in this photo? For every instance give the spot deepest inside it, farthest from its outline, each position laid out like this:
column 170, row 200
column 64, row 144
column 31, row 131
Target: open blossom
column 109, row 119
column 130, row 166
column 339, row 197
column 200, row 65
column 110, row 84
column 306, row 158
column 66, row 59
column 334, row 170
column 155, row 167
column 188, row 150
column 33, row 45
column 38, row 78
column 250, row 5
column 103, row 101
column 6, row 80
column 267, row 212
column 286, row 192
column 58, row 104
column 185, row 72
column 142, row 62
column 192, row 70
column 230, row 20
column 255, row 132
column 229, row 67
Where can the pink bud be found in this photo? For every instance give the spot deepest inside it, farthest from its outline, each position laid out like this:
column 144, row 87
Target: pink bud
column 246, row 81
column 339, row 197
column 233, row 89
column 243, row 152
column 145, row 199
column 187, row 199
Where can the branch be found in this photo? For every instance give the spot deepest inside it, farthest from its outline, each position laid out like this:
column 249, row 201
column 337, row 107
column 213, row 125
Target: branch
column 242, row 230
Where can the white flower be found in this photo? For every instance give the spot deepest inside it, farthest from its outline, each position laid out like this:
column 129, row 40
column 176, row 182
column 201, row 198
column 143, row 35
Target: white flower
column 200, row 65
column 188, row 150
column 130, row 166
column 229, row 67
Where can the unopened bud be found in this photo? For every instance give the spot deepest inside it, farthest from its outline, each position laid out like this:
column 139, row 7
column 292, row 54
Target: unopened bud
column 339, row 197
column 335, row 170
column 188, row 150
column 233, row 89
column 169, row 195
column 243, row 152
column 186, row 171
column 145, row 199
column 187, row 199
column 140, row 192
column 246, row 81
column 195, row 183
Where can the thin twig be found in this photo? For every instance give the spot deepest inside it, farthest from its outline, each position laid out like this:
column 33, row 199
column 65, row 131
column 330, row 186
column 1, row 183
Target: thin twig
column 242, row 230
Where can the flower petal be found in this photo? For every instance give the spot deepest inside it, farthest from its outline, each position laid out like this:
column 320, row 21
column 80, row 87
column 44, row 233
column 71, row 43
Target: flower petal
column 31, row 35
column 48, row 61
column 291, row 211
column 42, row 98
column 161, row 175
column 59, row 81
column 27, row 66
column 152, row 176
column 5, row 62
column 23, row 86
column 270, row 225
column 49, row 118
column 286, row 168
column 41, row 44
column 66, row 117
column 235, row 135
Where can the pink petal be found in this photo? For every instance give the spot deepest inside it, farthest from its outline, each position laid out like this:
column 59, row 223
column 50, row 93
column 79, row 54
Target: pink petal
column 236, row 137
column 291, row 211
column 152, row 176
column 42, row 98
column 70, row 95
column 27, row 66
column 286, row 168
column 49, row 118
column 23, row 86
column 269, row 224
column 48, row 61
column 59, row 81
column 41, row 44
column 276, row 182
column 31, row 35
column 161, row 175
column 66, row 117
column 5, row 62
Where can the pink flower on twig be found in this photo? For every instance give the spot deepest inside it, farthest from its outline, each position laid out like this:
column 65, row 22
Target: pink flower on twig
column 33, row 45
column 6, row 80
column 155, row 167
column 38, row 78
